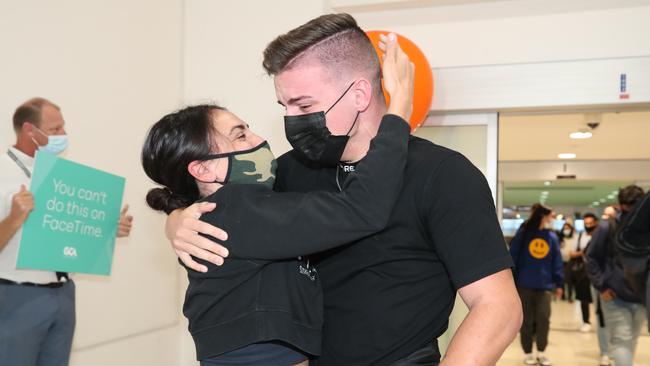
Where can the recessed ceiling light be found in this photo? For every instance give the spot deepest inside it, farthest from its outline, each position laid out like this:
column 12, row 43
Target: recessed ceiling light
column 545, row 193
column 611, row 196
column 602, row 200
column 596, row 203
column 580, row 135
column 566, row 156
column 547, row 183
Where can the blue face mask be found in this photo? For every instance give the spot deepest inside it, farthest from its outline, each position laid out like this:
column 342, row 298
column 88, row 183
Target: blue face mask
column 55, row 143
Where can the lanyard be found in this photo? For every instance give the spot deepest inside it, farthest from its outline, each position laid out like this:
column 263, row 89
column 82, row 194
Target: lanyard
column 19, row 163
column 59, row 275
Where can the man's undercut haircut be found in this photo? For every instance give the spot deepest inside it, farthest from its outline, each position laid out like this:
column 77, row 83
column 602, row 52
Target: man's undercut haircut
column 334, row 40
column 31, row 111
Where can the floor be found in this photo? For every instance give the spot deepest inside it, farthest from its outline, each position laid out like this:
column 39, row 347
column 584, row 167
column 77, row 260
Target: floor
column 569, row 347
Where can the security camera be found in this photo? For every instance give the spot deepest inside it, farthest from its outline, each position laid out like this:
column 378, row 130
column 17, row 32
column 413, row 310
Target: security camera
column 592, row 120
column 593, row 125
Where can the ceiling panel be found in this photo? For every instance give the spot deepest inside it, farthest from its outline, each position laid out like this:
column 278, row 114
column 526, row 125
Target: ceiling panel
column 619, row 136
column 562, row 193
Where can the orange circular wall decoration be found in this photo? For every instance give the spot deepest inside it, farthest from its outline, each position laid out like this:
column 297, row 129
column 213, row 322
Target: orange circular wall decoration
column 423, row 84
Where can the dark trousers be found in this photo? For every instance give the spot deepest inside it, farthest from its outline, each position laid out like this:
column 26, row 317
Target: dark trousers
column 568, row 283
column 36, row 325
column 584, row 308
column 537, row 314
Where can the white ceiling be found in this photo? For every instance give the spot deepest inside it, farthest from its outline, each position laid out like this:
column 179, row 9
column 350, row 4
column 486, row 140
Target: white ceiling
column 620, row 136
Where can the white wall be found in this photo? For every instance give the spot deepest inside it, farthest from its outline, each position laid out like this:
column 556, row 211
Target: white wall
column 492, row 55
column 224, row 57
column 114, row 67
column 520, row 31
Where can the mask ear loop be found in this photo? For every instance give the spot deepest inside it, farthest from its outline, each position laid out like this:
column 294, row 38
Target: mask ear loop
column 225, row 180
column 42, row 133
column 353, row 123
column 338, row 100
column 341, row 97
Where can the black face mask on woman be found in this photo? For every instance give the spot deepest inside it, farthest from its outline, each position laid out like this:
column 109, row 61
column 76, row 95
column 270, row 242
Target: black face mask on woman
column 308, row 134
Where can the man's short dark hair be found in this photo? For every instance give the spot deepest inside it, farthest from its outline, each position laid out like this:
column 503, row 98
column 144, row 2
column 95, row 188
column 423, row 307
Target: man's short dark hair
column 31, row 111
column 630, row 195
column 589, row 215
column 333, row 39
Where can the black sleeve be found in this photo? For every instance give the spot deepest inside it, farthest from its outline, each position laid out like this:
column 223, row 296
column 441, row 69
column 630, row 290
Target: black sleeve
column 462, row 222
column 262, row 224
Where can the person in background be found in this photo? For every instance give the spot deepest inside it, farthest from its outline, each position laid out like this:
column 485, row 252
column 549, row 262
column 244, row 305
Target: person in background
column 538, row 273
column 37, row 308
column 591, row 223
column 634, row 246
column 568, row 241
column 622, row 308
column 578, row 275
column 609, row 211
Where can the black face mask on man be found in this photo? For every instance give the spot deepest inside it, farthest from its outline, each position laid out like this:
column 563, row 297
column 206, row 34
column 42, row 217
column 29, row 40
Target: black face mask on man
column 308, row 134
column 590, row 229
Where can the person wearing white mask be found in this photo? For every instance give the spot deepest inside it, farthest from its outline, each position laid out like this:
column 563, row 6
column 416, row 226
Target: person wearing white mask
column 37, row 308
column 568, row 239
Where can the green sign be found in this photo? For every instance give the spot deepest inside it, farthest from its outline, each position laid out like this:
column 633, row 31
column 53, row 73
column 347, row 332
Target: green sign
column 74, row 222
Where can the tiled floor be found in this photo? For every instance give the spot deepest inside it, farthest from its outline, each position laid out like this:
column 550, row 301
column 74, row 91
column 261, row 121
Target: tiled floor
column 569, row 347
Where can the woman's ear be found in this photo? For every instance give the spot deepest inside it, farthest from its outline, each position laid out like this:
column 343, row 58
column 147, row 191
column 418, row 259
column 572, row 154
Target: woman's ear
column 200, row 171
column 210, row 171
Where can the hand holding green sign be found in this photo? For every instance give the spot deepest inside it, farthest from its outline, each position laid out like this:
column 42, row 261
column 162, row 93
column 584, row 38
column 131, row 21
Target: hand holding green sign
column 75, row 218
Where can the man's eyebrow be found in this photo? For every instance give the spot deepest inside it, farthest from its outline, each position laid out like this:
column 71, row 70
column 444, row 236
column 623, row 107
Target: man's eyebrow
column 295, row 100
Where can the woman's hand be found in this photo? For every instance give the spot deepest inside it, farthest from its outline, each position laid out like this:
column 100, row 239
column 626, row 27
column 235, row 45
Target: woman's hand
column 398, row 74
column 182, row 228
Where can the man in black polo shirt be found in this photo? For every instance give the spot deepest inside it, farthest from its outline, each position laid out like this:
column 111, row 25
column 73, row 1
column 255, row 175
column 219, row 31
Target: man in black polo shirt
column 388, row 297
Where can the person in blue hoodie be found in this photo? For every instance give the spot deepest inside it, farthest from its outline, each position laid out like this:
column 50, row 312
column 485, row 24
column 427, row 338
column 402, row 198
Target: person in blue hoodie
column 538, row 273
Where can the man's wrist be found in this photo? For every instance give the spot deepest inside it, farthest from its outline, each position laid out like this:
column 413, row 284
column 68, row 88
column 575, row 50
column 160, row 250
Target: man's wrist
column 15, row 222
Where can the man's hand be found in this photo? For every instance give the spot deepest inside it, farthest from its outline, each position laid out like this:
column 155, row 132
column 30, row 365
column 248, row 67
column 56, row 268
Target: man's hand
column 608, row 295
column 125, row 223
column 398, row 74
column 182, row 228
column 22, row 203
column 558, row 293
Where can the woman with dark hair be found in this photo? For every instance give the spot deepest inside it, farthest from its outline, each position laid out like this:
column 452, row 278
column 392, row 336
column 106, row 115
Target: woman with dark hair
column 535, row 250
column 264, row 305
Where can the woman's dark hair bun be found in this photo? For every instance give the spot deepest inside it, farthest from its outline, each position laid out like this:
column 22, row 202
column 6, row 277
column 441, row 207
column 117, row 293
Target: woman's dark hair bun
column 162, row 199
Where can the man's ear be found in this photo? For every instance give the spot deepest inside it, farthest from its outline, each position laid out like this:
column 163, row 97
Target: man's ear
column 28, row 128
column 363, row 94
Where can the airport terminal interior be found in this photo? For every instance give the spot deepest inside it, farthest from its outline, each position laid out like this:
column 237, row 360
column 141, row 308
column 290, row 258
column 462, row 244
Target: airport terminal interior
column 549, row 99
